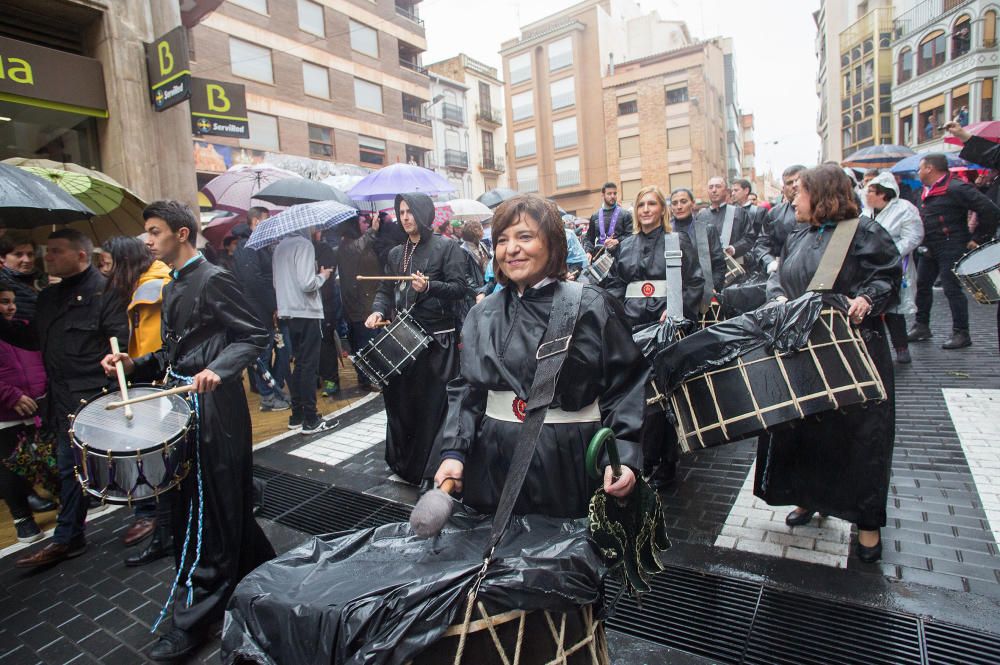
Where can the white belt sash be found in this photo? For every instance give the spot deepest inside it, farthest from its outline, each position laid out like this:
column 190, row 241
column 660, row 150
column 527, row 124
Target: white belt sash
column 648, row 288
column 505, row 405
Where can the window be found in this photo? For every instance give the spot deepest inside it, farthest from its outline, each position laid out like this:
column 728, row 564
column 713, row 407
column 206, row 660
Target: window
column 259, row 6
column 320, row 142
column 367, row 96
column 524, row 143
column 847, row 83
column 520, row 68
column 906, row 128
column 522, row 105
column 263, row 132
column 679, row 137
column 677, row 93
column 485, row 100
column 961, row 37
column 564, row 133
column 527, row 179
column 904, row 68
column 986, row 108
column 682, row 179
column 567, row 172
column 628, row 104
column 311, row 18
column 489, row 160
column 250, row 61
column 562, row 93
column 628, row 147
column 932, row 52
column 371, row 150
column 990, row 29
column 315, row 80
column 364, row 39
column 630, row 189
column 560, row 54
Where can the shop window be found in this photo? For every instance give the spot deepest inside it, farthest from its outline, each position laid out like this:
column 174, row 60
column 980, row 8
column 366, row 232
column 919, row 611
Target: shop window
column 961, row 37
column 932, row 52
column 371, row 150
column 320, row 142
column 250, row 61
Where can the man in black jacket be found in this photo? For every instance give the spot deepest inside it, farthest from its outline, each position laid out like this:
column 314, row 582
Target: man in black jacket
column 728, row 219
column 780, row 224
column 609, row 224
column 945, row 211
column 74, row 321
column 740, row 194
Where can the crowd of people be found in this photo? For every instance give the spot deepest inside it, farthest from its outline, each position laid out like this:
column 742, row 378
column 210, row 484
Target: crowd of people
column 485, row 295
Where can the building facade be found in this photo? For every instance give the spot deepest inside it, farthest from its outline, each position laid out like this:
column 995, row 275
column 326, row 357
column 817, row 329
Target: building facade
column 866, row 81
column 328, row 82
column 666, row 120
column 484, row 117
column 946, row 59
column 831, row 19
column 450, row 129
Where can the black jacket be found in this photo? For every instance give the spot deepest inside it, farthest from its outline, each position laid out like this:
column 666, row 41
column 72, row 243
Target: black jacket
column 780, row 224
column 640, row 257
column 356, row 256
column 715, row 251
column 622, row 228
column 985, row 153
column 744, row 232
column 252, row 268
column 945, row 215
column 439, row 259
column 25, row 296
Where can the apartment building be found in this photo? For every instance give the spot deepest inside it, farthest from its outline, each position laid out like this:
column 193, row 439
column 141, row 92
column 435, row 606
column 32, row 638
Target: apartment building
column 335, row 81
column 866, row 81
column 450, row 129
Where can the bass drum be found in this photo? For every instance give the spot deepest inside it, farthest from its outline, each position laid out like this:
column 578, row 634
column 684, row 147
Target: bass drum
column 979, row 272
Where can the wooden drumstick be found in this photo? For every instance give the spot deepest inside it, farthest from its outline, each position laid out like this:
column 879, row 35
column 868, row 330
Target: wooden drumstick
column 120, row 371
column 382, row 324
column 387, row 278
column 179, row 390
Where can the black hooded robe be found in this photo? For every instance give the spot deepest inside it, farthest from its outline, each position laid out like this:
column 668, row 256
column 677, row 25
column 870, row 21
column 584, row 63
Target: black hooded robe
column 838, row 463
column 499, row 343
column 416, row 402
column 207, row 323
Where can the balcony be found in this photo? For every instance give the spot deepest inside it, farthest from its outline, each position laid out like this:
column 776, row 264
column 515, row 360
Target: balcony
column 924, row 14
column 412, row 66
column 456, row 159
column 494, row 164
column 410, row 12
column 489, row 117
column 876, row 22
column 452, row 114
column 567, row 179
column 417, row 117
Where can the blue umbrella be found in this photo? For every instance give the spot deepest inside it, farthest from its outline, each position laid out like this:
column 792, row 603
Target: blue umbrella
column 385, row 183
column 912, row 163
column 320, row 215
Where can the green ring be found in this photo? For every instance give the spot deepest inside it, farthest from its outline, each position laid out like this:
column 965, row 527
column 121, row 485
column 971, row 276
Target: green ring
column 597, row 442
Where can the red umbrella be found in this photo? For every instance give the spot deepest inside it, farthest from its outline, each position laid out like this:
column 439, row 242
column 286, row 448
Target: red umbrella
column 988, row 129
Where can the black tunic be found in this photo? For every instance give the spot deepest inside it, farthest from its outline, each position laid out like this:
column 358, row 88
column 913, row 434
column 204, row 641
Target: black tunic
column 781, row 223
column 640, row 257
column 838, row 463
column 743, row 235
column 207, row 323
column 501, row 336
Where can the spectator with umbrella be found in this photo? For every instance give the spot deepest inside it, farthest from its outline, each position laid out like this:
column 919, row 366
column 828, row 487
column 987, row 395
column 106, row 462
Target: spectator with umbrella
column 19, row 272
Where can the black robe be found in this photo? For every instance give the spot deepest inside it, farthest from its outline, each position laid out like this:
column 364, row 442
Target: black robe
column 780, row 224
column 838, row 463
column 416, row 402
column 207, row 323
column 744, row 234
column 500, row 339
column 716, row 253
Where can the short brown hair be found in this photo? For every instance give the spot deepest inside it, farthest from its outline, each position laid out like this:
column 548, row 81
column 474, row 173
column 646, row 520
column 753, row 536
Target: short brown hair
column 830, row 192
column 550, row 227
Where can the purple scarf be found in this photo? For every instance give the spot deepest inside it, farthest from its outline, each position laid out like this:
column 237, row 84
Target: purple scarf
column 602, row 230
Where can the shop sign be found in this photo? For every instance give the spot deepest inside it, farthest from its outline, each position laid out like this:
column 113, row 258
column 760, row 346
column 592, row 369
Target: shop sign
column 219, row 108
column 168, row 69
column 40, row 76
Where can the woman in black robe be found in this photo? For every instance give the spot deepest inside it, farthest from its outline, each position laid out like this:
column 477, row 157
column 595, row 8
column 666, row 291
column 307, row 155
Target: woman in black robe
column 837, row 463
column 601, row 384
column 638, row 279
column 416, row 401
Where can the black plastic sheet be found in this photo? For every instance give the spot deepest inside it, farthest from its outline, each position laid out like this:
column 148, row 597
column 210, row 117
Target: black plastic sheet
column 744, row 296
column 782, row 327
column 652, row 337
column 380, row 596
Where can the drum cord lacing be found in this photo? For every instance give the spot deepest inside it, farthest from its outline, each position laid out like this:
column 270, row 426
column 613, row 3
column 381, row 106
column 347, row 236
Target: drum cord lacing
column 201, row 513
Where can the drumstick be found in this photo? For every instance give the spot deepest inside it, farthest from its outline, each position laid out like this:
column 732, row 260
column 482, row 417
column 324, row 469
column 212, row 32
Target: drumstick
column 387, row 278
column 179, row 390
column 382, row 324
column 120, row 370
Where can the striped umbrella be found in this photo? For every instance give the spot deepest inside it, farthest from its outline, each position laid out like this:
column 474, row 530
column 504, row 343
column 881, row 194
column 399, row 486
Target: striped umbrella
column 877, row 156
column 320, row 215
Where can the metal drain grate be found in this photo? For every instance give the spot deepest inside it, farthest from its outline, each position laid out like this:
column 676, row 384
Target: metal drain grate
column 284, row 493
column 954, row 645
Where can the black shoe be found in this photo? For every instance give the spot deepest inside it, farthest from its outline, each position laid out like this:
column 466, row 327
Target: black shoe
column 903, row 356
column 294, row 421
column 40, row 505
column 27, row 530
column 161, row 545
column 920, row 332
column 799, row 517
column 869, row 554
column 318, row 425
column 959, row 340
column 175, row 645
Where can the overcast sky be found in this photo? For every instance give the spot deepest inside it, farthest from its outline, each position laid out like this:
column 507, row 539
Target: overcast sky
column 772, row 39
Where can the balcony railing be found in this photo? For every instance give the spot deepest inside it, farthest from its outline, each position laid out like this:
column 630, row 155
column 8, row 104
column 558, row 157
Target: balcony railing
column 407, row 12
column 494, row 163
column 452, row 113
column 412, row 66
column 456, row 159
column 527, row 185
column 489, row 116
column 567, row 179
column 924, row 14
column 417, row 117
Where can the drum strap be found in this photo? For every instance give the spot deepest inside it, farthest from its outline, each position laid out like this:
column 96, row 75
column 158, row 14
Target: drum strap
column 727, row 225
column 833, row 255
column 672, row 258
column 550, row 355
column 705, row 261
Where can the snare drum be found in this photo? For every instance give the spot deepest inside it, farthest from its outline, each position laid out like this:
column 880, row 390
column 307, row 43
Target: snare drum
column 734, row 271
column 395, row 349
column 122, row 461
column 979, row 272
column 763, row 389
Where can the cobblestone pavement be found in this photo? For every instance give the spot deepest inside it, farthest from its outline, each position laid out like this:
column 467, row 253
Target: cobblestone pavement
column 940, row 561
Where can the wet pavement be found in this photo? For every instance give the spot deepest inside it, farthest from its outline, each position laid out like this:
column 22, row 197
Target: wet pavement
column 740, row 586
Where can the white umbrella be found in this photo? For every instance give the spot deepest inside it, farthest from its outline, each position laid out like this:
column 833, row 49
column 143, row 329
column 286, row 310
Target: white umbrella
column 468, row 210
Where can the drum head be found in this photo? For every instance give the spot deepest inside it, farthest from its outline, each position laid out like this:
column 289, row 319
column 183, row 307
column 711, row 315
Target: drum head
column 153, row 423
column 979, row 260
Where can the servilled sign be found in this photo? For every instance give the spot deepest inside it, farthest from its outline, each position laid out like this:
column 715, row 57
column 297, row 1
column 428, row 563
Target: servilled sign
column 219, row 109
column 39, row 76
column 169, row 70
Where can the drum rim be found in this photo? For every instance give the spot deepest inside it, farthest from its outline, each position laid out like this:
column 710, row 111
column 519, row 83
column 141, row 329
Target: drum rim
column 100, row 452
column 116, row 500
column 970, row 253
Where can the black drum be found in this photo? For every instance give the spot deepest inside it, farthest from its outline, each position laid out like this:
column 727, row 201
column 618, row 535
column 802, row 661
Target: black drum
column 763, row 389
column 122, row 460
column 395, row 349
column 979, row 272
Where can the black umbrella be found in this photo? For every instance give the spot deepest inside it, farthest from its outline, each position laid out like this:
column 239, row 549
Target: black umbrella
column 495, row 197
column 293, row 191
column 27, row 201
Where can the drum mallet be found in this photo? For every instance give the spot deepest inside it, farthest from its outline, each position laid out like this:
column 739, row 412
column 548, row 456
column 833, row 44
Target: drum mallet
column 433, row 510
column 122, row 383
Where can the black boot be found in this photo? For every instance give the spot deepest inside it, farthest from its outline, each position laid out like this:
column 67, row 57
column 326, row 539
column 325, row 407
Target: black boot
column 176, row 644
column 919, row 332
column 40, row 505
column 160, row 545
column 959, row 340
